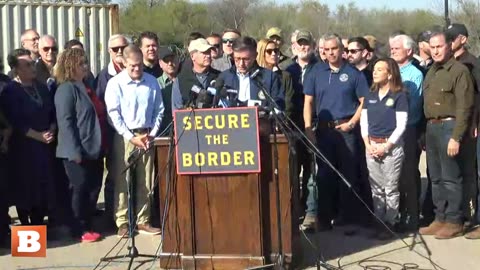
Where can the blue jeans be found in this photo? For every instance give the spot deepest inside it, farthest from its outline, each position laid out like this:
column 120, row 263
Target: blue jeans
column 445, row 173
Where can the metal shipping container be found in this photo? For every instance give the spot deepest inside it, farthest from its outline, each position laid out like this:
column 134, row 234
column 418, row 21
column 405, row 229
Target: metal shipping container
column 92, row 24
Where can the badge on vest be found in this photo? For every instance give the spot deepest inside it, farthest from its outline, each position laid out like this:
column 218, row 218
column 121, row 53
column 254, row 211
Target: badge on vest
column 390, row 102
column 343, row 77
column 372, row 101
column 261, row 95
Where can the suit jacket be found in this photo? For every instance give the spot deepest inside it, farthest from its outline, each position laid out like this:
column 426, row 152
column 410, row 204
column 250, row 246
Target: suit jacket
column 79, row 134
column 271, row 81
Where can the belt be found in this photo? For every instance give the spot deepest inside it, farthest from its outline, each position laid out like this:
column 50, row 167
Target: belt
column 378, row 139
column 141, row 130
column 332, row 124
column 440, row 120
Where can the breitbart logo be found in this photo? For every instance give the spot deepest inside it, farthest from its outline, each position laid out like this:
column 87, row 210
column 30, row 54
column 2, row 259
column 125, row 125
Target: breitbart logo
column 29, row 241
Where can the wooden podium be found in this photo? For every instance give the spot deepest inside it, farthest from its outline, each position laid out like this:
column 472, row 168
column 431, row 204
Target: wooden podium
column 229, row 221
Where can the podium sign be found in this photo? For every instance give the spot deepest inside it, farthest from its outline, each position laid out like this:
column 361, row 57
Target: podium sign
column 217, row 141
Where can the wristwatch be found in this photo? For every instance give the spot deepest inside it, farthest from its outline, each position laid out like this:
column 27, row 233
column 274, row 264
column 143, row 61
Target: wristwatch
column 351, row 125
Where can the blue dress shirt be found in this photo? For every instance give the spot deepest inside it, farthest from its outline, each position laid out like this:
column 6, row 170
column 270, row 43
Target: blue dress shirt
column 134, row 104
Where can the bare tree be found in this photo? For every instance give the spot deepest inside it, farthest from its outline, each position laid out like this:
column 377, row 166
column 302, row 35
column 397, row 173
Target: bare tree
column 230, row 13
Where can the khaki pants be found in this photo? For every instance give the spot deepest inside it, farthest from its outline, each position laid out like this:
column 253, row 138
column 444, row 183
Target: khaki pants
column 142, row 174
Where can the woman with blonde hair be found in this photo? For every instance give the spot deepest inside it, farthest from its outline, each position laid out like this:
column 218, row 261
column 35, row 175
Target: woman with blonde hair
column 268, row 56
column 81, row 121
column 383, row 122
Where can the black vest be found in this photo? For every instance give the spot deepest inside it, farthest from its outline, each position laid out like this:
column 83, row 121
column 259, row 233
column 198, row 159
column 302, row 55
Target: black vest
column 187, row 79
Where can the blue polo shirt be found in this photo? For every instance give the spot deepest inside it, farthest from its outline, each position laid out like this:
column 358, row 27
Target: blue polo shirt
column 381, row 114
column 336, row 93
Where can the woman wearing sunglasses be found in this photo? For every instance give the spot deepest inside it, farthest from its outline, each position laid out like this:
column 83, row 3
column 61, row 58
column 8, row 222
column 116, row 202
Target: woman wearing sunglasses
column 268, row 56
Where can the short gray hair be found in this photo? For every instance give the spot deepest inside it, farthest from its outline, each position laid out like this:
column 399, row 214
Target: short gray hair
column 330, row 36
column 45, row 37
column 407, row 42
column 118, row 36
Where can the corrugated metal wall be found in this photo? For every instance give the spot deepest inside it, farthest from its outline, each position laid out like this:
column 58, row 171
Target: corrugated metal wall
column 93, row 24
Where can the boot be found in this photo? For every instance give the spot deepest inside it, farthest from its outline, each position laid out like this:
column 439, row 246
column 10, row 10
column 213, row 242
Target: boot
column 474, row 234
column 449, row 230
column 432, row 229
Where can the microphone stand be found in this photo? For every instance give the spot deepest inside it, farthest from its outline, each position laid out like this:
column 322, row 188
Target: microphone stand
column 276, row 122
column 132, row 160
column 289, row 133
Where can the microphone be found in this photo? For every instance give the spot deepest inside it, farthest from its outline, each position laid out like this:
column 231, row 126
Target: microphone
column 218, row 86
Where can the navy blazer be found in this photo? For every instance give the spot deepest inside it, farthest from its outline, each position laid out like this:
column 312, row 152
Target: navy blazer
column 271, row 81
column 79, row 134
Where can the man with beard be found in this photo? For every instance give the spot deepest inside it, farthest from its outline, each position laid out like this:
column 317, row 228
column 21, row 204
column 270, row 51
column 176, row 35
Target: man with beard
column 148, row 43
column 302, row 64
column 357, row 51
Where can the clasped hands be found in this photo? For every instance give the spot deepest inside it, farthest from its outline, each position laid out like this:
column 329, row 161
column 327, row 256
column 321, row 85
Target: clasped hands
column 376, row 150
column 141, row 141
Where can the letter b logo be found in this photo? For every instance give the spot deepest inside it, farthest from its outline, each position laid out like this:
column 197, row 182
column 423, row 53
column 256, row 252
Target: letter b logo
column 29, row 241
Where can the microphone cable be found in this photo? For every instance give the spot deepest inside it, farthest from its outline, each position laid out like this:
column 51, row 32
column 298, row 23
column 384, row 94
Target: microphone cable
column 288, row 124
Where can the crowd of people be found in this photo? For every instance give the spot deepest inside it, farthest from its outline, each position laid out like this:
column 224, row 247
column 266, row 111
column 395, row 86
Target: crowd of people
column 370, row 115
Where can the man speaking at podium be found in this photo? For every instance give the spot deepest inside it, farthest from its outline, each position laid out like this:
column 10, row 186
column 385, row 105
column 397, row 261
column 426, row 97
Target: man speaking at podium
column 245, row 80
column 190, row 88
column 135, row 108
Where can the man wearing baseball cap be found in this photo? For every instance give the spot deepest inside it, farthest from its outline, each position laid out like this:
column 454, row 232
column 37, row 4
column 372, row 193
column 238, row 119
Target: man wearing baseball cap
column 199, row 76
column 169, row 65
column 458, row 34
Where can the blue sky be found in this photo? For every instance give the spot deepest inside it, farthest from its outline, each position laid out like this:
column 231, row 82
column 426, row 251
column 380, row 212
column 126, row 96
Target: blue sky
column 393, row 4
column 435, row 5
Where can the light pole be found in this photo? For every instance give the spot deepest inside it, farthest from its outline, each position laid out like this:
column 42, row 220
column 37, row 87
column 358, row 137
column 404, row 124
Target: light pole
column 447, row 19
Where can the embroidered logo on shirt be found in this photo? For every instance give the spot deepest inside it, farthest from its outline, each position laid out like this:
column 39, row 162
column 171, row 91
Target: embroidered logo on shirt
column 390, row 102
column 343, row 77
column 261, row 95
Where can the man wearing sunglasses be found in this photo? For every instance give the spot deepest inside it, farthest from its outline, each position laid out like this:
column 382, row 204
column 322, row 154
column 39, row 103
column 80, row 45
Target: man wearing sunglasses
column 48, row 51
column 226, row 61
column 357, row 53
column 215, row 40
column 116, row 46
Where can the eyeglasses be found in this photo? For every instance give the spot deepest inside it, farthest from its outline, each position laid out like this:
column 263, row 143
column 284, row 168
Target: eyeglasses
column 215, row 45
column 270, row 51
column 354, row 51
column 116, row 49
column 226, row 40
column 47, row 49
